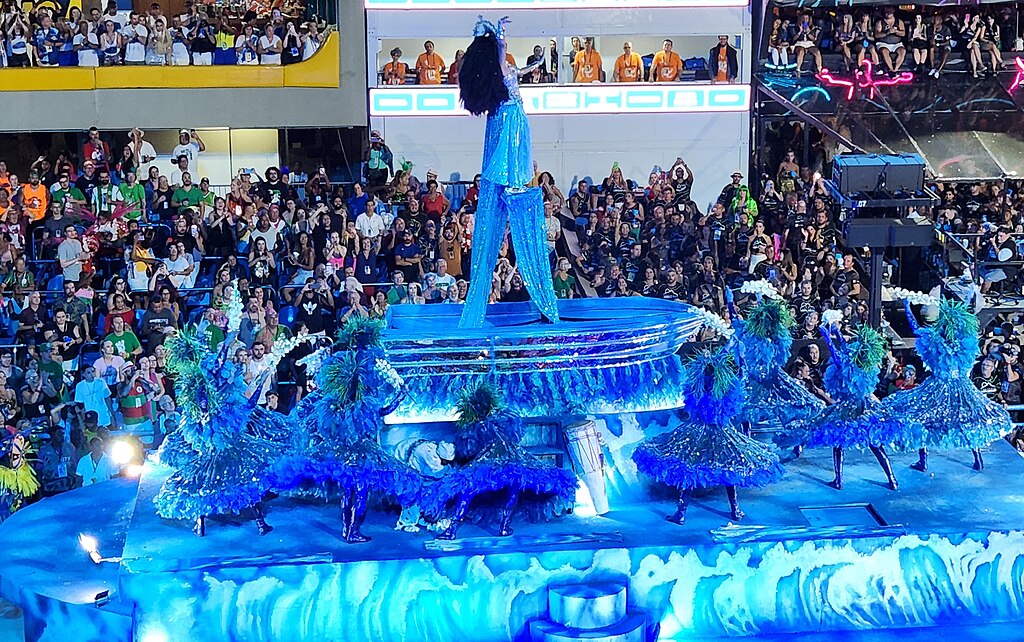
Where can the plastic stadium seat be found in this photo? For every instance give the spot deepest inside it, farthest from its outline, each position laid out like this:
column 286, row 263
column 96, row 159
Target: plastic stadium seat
column 56, row 284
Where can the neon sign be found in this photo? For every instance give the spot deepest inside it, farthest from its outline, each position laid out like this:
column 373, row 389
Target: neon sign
column 864, row 80
column 427, row 100
column 483, row 5
column 1019, row 78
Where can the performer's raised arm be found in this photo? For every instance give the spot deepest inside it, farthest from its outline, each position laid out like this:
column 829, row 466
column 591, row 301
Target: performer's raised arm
column 910, row 316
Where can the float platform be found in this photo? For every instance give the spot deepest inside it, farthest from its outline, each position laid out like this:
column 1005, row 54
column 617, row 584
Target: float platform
column 946, row 549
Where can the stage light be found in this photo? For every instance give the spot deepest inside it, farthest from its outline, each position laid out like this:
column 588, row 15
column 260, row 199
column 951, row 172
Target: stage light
column 132, row 471
column 1019, row 78
column 584, row 503
column 90, row 546
column 122, row 452
column 154, row 634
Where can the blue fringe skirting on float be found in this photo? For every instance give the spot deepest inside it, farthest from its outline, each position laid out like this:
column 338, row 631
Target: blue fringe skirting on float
column 215, row 482
column 949, row 412
column 537, row 481
column 327, row 472
column 851, row 424
column 705, row 455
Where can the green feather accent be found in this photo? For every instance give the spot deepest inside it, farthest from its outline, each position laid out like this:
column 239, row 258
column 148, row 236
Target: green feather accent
column 339, row 378
column 186, row 351
column 477, row 404
column 360, row 333
column 21, row 481
column 769, row 319
column 868, row 348
column 955, row 320
column 720, row 364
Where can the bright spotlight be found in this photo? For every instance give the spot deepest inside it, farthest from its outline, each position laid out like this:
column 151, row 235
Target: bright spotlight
column 122, row 452
column 88, row 543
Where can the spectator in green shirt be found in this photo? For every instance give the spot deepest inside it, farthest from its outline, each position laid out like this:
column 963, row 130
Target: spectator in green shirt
column 188, row 194
column 65, row 190
column 134, row 195
column 126, row 344
column 565, row 283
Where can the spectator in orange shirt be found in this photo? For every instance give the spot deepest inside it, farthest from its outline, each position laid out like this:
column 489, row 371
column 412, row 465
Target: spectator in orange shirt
column 34, row 197
column 587, row 64
column 628, row 67
column 429, row 65
column 394, row 71
column 723, row 64
column 667, row 64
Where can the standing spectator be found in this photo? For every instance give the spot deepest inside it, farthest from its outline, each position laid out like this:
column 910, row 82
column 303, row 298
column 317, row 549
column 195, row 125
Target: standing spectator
column 189, row 145
column 106, row 196
column 394, row 71
column 72, row 255
column 429, row 65
column 629, row 67
column 135, row 35
column 667, row 64
column 270, row 46
column 95, row 467
column 587, row 65
column 94, row 394
column 134, row 394
column 97, row 150
column 55, row 459
column 35, row 198
column 378, row 159
column 126, row 344
column 724, row 63
column 48, row 42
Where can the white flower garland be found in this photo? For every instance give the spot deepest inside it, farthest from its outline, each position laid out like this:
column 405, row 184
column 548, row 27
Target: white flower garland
column 830, row 317
column 917, row 298
column 713, row 321
column 235, row 308
column 760, row 288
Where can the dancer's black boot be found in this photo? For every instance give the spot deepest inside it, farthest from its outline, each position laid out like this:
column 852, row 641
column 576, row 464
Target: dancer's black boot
column 922, row 463
column 837, row 463
column 883, row 460
column 504, row 530
column 346, row 515
column 979, row 463
column 200, row 526
column 734, row 503
column 679, row 516
column 461, row 507
column 357, row 516
column 261, row 523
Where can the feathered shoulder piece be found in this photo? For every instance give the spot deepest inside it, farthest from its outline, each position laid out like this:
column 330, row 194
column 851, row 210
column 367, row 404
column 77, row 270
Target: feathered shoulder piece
column 186, row 351
column 867, row 349
column 956, row 321
column 360, row 334
column 769, row 319
column 480, row 403
column 712, row 386
column 339, row 378
column 16, row 475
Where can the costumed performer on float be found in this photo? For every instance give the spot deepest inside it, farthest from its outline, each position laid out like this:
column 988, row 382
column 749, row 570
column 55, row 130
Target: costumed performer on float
column 490, row 460
column 774, row 399
column 947, row 407
column 707, row 449
column 850, row 379
column 337, row 454
column 220, row 452
column 17, row 478
column 489, row 85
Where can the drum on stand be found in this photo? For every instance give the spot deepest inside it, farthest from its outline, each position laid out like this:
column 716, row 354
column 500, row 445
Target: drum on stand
column 583, row 442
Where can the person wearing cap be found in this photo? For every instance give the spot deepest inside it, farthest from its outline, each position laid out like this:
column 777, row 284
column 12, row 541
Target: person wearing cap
column 909, row 378
column 394, row 72
column 189, row 145
column 379, row 163
column 94, row 394
column 729, row 191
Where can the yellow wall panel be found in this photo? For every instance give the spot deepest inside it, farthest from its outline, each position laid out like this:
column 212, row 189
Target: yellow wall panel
column 322, row 70
column 172, row 77
column 48, row 78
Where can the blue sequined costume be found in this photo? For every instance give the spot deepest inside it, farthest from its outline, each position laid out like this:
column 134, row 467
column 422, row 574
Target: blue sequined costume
column 947, row 407
column 773, row 398
column 708, row 450
column 221, row 462
column 505, row 199
column 336, row 453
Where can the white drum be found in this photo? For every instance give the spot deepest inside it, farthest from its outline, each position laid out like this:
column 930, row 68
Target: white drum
column 583, row 441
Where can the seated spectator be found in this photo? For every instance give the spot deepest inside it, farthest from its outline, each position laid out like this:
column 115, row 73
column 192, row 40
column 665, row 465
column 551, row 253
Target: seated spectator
column 889, row 34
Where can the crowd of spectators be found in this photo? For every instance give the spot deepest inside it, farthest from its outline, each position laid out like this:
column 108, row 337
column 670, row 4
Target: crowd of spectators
column 98, row 269
column 42, row 37
column 585, row 65
column 919, row 38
